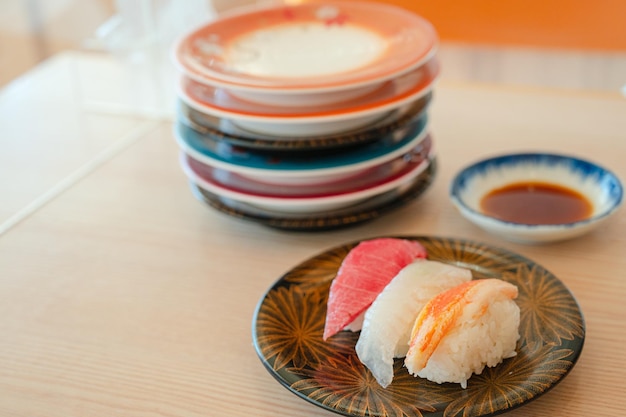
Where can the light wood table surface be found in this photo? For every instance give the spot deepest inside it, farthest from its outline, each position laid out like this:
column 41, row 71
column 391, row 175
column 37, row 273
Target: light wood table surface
column 122, row 295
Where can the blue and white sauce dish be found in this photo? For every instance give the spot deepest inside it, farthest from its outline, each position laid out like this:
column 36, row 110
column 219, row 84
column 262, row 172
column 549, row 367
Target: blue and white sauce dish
column 599, row 189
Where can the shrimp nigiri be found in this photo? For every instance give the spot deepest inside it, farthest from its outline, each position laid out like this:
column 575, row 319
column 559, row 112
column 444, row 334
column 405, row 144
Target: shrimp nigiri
column 464, row 329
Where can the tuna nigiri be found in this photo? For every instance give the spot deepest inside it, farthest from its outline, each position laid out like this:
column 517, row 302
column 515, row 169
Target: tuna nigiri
column 464, row 329
column 363, row 274
column 389, row 320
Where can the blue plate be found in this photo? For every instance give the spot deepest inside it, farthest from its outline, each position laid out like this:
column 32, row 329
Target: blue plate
column 224, row 155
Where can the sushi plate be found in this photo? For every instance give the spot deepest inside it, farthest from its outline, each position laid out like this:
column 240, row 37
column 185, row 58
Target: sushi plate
column 306, row 204
column 318, row 46
column 311, row 120
column 372, row 177
column 306, row 169
column 368, row 210
column 224, row 130
column 289, row 322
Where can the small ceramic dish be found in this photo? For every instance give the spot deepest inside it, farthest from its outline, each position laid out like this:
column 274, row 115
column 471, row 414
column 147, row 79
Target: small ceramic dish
column 319, row 203
column 311, row 120
column 320, row 52
column 567, row 178
column 304, row 169
column 220, row 129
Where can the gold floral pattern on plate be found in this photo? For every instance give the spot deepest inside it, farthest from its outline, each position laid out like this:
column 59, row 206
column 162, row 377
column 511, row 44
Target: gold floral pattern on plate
column 289, row 323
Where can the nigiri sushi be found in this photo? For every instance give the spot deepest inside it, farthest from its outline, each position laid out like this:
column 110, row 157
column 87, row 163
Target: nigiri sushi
column 363, row 274
column 389, row 320
column 464, row 329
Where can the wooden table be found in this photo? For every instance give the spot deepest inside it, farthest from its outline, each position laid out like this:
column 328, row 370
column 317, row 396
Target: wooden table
column 122, row 295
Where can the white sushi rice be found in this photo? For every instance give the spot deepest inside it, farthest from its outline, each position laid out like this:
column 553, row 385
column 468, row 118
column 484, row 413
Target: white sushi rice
column 386, row 329
column 475, row 341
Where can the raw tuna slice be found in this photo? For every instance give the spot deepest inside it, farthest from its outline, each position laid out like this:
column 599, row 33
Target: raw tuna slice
column 363, row 274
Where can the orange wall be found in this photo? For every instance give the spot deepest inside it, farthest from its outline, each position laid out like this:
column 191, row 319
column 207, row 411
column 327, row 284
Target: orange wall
column 580, row 24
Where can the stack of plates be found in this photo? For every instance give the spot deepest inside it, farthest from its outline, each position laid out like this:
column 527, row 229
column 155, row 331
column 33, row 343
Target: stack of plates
column 308, row 117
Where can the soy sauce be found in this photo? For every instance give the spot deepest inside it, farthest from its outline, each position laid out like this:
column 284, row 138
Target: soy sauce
column 536, row 203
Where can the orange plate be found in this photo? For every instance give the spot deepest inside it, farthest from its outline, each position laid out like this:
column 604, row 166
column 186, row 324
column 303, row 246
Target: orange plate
column 391, row 95
column 409, row 41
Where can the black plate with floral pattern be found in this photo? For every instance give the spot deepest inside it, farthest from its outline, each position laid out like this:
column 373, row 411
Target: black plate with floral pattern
column 289, row 322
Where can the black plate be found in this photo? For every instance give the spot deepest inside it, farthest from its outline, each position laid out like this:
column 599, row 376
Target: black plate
column 289, row 322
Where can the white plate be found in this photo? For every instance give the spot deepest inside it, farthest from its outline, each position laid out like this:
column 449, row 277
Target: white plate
column 311, row 120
